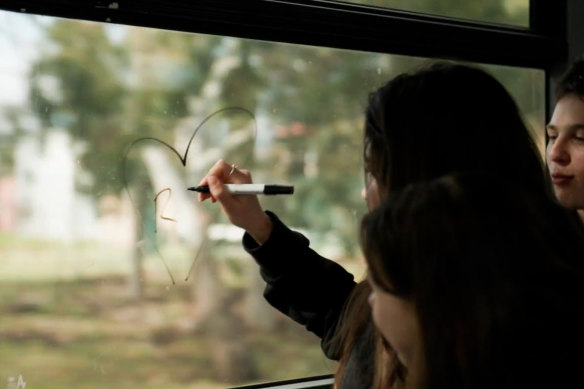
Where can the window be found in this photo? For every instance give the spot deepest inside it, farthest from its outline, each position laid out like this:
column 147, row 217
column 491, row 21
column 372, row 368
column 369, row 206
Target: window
column 113, row 274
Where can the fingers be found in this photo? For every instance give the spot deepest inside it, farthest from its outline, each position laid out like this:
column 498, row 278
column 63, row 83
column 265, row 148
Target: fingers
column 218, row 191
column 224, row 173
column 221, row 170
column 243, row 211
column 228, row 173
column 217, row 171
column 216, row 188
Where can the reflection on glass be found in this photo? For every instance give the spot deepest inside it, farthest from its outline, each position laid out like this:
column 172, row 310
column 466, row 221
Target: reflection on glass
column 112, row 274
column 510, row 12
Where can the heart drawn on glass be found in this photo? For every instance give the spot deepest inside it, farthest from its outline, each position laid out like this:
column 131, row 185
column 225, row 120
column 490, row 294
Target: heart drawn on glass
column 163, row 196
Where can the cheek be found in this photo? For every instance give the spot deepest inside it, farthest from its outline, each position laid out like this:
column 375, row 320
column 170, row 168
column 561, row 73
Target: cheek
column 396, row 321
column 376, row 311
column 381, row 316
column 372, row 197
column 548, row 148
column 578, row 157
column 370, row 193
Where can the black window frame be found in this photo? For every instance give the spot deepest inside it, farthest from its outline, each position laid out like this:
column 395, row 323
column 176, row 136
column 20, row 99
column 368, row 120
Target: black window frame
column 334, row 24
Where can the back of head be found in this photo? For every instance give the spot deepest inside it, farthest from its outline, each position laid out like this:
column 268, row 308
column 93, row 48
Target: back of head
column 443, row 118
column 572, row 82
column 496, row 275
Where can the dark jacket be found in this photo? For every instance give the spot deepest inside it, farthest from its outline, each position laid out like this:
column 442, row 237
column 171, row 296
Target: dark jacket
column 312, row 291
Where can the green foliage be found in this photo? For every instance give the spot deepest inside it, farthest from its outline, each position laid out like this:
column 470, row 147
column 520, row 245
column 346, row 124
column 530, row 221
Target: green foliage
column 513, row 12
column 77, row 86
column 109, row 93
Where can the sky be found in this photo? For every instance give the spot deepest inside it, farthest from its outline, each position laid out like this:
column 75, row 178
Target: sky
column 21, row 42
column 19, row 36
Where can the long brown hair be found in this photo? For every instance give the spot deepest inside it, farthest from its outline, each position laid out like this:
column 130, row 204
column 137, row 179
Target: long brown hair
column 496, row 276
column 442, row 118
column 356, row 331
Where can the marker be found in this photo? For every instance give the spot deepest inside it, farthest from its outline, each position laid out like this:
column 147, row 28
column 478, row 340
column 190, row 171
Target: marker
column 250, row 189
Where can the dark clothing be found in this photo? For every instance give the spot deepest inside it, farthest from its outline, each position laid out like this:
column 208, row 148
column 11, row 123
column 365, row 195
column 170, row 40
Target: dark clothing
column 306, row 287
column 312, row 291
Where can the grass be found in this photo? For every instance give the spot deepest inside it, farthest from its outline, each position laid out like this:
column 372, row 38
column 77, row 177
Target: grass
column 66, row 324
column 59, row 335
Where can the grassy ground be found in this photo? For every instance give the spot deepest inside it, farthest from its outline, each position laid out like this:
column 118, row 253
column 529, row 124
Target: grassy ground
column 79, row 334
column 63, row 327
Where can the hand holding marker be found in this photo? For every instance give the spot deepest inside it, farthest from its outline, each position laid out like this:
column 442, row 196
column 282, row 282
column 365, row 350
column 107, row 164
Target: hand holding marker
column 224, row 183
column 244, row 188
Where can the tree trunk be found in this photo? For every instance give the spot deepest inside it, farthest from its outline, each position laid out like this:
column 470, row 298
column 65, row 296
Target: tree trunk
column 136, row 280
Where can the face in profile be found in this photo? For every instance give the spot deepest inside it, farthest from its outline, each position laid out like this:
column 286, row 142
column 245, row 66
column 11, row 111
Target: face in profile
column 370, row 192
column 565, row 151
column 395, row 318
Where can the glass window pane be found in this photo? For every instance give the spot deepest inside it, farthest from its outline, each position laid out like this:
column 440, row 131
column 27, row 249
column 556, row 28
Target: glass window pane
column 510, row 12
column 112, row 274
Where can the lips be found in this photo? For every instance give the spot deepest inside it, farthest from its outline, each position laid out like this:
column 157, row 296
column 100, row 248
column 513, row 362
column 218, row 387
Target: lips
column 562, row 179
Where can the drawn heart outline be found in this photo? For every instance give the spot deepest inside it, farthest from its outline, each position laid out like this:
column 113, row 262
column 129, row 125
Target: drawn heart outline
column 183, row 160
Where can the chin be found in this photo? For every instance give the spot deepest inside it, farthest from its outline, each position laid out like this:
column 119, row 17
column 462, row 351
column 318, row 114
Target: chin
column 569, row 202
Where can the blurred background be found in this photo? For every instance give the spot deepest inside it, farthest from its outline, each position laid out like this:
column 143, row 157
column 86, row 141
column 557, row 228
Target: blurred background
column 111, row 273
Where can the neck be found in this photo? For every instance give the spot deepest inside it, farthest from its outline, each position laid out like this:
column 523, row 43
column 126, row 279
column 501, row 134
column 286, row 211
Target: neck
column 581, row 215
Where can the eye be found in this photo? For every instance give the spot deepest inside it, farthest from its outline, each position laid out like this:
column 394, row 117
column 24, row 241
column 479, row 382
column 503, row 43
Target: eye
column 552, row 137
column 579, row 135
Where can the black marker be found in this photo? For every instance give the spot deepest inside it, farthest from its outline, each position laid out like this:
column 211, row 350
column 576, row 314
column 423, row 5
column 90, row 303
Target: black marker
column 250, row 189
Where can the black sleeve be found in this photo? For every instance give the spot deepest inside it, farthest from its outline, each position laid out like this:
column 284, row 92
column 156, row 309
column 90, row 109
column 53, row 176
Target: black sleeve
column 306, row 287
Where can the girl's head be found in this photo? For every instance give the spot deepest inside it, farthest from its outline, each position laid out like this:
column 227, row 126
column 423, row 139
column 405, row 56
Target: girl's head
column 444, row 118
column 565, row 140
column 475, row 283
column 440, row 119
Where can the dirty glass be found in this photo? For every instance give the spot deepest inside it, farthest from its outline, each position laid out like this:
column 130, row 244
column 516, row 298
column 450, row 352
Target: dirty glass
column 112, row 274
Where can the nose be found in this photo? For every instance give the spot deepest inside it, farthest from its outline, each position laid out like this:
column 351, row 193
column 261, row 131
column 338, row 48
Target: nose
column 558, row 153
column 364, row 193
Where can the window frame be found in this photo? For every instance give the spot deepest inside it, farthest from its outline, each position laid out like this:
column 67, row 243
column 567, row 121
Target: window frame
column 334, row 24
column 544, row 45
